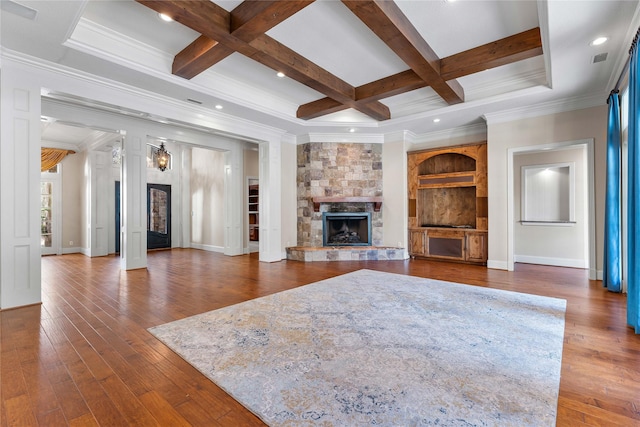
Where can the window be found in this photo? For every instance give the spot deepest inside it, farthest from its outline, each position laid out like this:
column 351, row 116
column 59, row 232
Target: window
column 548, row 193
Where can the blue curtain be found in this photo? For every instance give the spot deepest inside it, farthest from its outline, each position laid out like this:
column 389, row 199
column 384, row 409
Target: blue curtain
column 633, row 196
column 612, row 276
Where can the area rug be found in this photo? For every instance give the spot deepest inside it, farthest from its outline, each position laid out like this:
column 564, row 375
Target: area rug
column 375, row 348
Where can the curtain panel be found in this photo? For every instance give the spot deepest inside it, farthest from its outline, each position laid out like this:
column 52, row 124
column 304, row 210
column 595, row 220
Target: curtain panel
column 633, row 194
column 49, row 157
column 612, row 266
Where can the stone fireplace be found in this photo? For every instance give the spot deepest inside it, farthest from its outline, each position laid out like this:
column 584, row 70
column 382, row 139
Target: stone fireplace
column 339, row 178
column 346, row 229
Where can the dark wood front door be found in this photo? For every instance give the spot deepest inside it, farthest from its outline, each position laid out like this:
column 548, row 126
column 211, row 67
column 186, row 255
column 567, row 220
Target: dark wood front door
column 158, row 216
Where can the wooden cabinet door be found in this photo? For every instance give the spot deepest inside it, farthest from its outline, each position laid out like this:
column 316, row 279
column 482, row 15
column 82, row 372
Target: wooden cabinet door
column 417, row 242
column 476, row 246
column 446, row 243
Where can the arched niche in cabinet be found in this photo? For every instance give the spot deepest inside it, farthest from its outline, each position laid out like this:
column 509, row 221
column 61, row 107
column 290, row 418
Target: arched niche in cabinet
column 448, row 203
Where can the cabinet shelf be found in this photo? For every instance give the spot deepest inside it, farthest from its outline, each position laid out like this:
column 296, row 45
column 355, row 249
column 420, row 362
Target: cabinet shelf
column 253, row 208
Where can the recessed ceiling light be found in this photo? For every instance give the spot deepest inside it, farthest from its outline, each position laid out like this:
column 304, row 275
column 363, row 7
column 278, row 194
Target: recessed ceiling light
column 352, row 130
column 219, row 107
column 598, row 41
column 436, row 120
column 165, row 18
column 280, row 74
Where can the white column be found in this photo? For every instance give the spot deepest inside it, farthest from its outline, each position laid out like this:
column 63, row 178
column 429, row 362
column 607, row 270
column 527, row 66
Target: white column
column 133, row 199
column 185, row 191
column 234, row 206
column 270, row 201
column 20, row 271
column 98, row 209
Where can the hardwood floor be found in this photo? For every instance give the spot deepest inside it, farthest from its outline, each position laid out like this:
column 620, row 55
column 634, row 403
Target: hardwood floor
column 84, row 356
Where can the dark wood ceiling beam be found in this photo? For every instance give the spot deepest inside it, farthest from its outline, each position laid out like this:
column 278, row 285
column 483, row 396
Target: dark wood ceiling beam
column 319, row 108
column 500, row 52
column 277, row 56
column 510, row 49
column 388, row 22
column 262, row 48
column 389, row 86
column 201, row 54
column 247, row 21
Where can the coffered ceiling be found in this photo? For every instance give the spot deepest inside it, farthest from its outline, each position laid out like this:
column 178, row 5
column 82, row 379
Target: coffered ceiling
column 369, row 67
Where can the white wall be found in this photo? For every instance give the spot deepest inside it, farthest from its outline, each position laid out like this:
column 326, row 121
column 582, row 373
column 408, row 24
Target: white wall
column 207, row 199
column 590, row 123
column 72, row 175
column 563, row 245
column 394, row 192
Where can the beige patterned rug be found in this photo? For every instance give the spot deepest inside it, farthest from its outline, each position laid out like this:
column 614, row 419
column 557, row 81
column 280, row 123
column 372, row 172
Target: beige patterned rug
column 374, row 348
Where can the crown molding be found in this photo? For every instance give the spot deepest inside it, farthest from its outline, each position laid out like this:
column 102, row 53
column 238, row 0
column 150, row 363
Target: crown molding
column 45, row 143
column 543, row 23
column 179, row 113
column 622, row 52
column 478, row 130
column 546, row 108
column 351, row 138
column 518, row 82
column 102, row 42
column 401, row 135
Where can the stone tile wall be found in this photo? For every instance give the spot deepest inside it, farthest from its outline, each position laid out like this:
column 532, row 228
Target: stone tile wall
column 337, row 170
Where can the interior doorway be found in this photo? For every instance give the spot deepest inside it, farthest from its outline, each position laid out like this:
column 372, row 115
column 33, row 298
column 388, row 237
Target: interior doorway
column 158, row 216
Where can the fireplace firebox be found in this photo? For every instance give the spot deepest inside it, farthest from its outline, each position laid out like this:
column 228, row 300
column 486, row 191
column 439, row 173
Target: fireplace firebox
column 346, row 229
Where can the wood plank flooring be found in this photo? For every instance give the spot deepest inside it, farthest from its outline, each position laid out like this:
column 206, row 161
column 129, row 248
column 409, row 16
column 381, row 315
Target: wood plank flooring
column 84, row 356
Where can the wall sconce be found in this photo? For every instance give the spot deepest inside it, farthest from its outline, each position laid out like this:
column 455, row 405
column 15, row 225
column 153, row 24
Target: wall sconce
column 163, row 157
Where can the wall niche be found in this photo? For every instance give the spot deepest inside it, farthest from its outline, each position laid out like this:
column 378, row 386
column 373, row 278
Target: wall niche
column 448, row 203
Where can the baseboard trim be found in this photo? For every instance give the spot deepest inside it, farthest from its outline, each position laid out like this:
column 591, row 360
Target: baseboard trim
column 210, row 248
column 497, row 265
column 75, row 250
column 557, row 262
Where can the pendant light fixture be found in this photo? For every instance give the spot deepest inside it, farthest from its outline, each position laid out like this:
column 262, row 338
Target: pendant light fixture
column 163, row 157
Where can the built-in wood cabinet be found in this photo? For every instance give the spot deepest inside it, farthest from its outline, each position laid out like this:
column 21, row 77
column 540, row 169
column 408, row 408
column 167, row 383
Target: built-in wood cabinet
column 448, row 203
column 462, row 245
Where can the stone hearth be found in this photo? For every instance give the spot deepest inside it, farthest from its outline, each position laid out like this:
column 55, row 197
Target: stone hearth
column 345, row 178
column 344, row 253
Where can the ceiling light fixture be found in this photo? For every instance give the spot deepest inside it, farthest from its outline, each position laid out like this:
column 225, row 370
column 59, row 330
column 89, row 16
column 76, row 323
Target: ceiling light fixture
column 598, row 41
column 280, row 74
column 165, row 18
column 352, row 130
column 219, row 107
column 436, row 120
column 163, row 157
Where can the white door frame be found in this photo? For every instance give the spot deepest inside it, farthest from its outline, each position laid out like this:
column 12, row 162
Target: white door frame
column 56, row 211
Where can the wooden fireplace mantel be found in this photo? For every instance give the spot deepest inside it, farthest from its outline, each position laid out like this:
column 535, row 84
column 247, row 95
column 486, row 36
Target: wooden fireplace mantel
column 377, row 201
